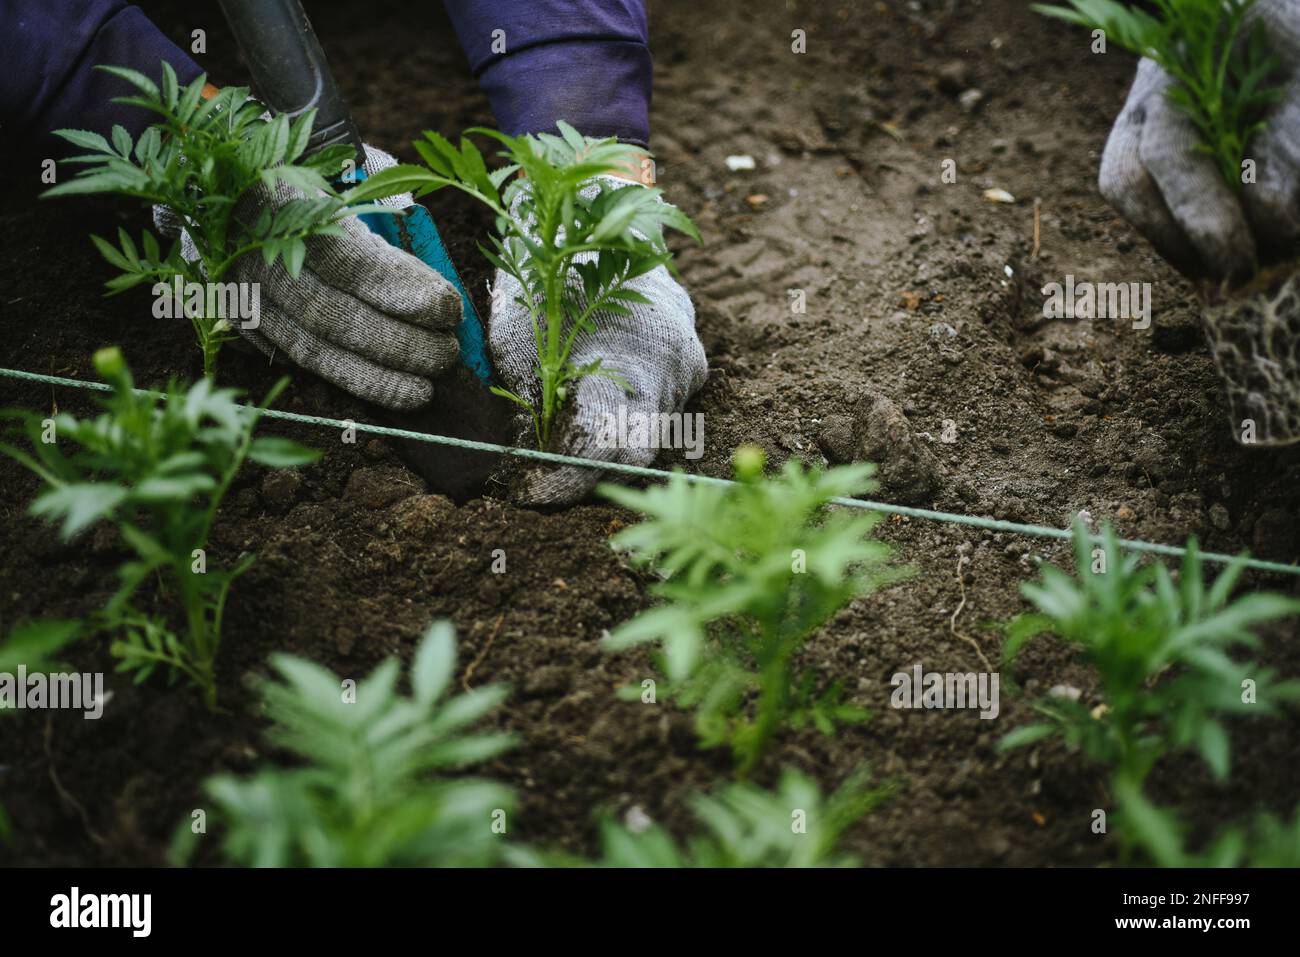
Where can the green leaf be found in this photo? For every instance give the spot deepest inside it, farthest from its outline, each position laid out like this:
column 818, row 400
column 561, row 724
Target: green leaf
column 78, row 505
column 170, row 88
column 295, row 254
column 85, row 139
column 32, row 645
column 435, row 659
column 122, row 141
column 299, row 135
column 110, row 182
column 111, row 253
column 1026, row 734
column 173, row 489
column 134, row 77
column 281, row 453
column 1213, row 744
column 1144, row 824
column 389, row 182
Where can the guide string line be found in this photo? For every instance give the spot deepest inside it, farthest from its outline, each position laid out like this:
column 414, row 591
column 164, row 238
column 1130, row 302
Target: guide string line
column 554, row 458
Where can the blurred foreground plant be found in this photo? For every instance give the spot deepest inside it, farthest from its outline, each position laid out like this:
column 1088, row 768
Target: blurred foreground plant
column 751, row 571
column 371, row 790
column 743, row 826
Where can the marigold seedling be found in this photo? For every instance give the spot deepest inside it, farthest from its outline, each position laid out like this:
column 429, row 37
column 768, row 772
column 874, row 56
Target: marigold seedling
column 157, row 466
column 1226, row 76
column 751, row 570
column 375, row 785
column 573, row 242
column 203, row 160
column 1162, row 648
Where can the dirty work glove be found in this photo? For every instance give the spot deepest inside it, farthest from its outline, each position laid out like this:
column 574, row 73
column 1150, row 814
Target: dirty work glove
column 655, row 349
column 365, row 315
column 1175, row 196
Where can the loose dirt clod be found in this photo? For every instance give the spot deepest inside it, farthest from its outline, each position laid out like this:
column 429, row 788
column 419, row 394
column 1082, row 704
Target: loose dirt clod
column 419, row 515
column 879, row 432
column 280, row 488
column 381, row 486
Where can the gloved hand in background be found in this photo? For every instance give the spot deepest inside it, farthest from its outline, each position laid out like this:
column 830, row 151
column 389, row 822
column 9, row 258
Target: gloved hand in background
column 655, row 349
column 363, row 314
column 1174, row 194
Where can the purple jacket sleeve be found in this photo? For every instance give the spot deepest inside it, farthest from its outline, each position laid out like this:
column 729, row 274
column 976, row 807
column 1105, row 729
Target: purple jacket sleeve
column 583, row 61
column 49, row 49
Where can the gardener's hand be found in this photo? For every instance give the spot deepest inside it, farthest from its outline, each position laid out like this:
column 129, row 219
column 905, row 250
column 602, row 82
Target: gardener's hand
column 1174, row 194
column 365, row 315
column 655, row 349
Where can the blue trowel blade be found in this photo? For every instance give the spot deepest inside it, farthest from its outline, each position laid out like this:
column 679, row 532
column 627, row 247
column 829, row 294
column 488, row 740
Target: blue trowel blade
column 416, row 233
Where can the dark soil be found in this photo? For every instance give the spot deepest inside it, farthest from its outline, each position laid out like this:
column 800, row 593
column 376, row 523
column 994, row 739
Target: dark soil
column 921, row 291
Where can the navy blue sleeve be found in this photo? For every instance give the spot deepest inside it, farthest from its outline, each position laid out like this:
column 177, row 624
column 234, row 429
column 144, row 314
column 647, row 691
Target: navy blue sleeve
column 49, row 48
column 583, row 61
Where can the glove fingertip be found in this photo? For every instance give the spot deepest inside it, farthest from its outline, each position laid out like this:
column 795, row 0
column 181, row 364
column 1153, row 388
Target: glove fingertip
column 556, row 486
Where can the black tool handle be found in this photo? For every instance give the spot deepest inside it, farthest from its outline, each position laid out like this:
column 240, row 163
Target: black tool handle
column 289, row 70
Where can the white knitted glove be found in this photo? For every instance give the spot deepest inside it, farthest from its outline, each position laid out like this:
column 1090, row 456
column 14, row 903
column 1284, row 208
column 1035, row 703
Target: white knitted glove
column 655, row 349
column 363, row 314
column 1174, row 194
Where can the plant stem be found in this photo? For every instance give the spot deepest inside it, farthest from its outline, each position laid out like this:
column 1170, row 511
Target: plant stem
column 550, row 364
column 773, row 701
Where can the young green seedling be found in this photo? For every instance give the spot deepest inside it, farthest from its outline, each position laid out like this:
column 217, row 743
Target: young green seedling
column 1162, row 648
column 744, row 826
column 375, row 784
column 574, row 242
column 157, row 466
column 1226, row 75
column 751, row 572
column 206, row 161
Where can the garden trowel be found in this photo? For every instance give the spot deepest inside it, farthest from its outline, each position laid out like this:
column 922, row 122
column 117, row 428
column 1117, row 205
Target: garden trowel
column 290, row 75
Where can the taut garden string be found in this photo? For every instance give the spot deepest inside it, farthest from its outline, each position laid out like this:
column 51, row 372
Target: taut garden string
column 553, row 458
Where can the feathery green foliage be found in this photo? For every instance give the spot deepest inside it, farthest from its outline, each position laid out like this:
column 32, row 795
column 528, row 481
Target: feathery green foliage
column 372, row 789
column 1163, row 648
column 1226, row 77
column 157, row 466
column 751, row 572
column 572, row 242
column 199, row 160
column 743, row 826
